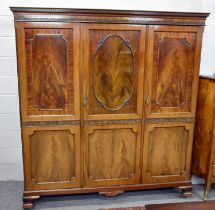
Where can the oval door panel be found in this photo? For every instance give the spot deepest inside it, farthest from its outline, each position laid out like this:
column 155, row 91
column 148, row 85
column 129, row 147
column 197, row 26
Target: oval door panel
column 113, row 72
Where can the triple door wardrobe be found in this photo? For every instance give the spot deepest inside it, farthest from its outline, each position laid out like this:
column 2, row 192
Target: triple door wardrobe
column 107, row 99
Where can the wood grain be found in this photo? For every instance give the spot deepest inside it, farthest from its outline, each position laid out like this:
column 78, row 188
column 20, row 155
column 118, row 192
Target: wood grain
column 55, row 149
column 167, row 152
column 112, row 155
column 127, row 208
column 50, row 77
column 167, row 155
column 123, row 82
column 114, row 69
column 204, row 139
column 50, row 72
column 172, row 72
column 68, row 15
column 183, row 206
column 52, row 157
column 173, row 66
column 107, row 99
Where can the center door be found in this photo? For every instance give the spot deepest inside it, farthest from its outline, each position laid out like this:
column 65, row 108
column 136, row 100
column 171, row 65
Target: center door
column 113, row 69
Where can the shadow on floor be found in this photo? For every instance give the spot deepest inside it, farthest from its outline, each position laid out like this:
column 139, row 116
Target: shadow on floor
column 11, row 193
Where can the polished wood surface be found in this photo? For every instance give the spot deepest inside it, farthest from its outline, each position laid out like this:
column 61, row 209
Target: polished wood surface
column 119, row 87
column 49, row 87
column 203, row 164
column 107, row 99
column 167, row 152
column 112, row 155
column 172, row 71
column 210, row 205
column 68, row 15
column 51, row 72
column 52, row 157
column 114, row 70
column 55, row 150
column 172, row 206
column 128, row 208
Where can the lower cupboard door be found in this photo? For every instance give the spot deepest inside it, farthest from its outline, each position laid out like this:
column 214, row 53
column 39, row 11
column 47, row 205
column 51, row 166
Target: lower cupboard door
column 167, row 152
column 51, row 157
column 112, row 155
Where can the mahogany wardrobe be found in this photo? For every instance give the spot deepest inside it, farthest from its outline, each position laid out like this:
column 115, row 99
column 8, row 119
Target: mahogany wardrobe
column 107, row 99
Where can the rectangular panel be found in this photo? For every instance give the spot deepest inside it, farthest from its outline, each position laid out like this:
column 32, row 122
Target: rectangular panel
column 173, row 55
column 49, row 71
column 52, row 157
column 167, row 152
column 113, row 57
column 112, row 155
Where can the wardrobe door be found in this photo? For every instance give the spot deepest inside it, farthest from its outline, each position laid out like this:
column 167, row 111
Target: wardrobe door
column 49, row 71
column 112, row 155
column 113, row 64
column 51, row 157
column 167, row 152
column 173, row 56
column 113, row 58
column 50, row 104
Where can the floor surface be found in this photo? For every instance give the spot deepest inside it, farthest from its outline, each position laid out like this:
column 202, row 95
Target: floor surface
column 11, row 193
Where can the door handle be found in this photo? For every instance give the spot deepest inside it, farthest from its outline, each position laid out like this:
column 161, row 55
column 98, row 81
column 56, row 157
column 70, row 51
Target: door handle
column 148, row 100
column 84, row 100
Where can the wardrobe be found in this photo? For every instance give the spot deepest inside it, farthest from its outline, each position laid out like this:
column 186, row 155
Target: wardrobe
column 203, row 164
column 107, row 99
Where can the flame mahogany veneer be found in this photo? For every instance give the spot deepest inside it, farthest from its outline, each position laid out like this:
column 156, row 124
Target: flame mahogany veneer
column 107, row 99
